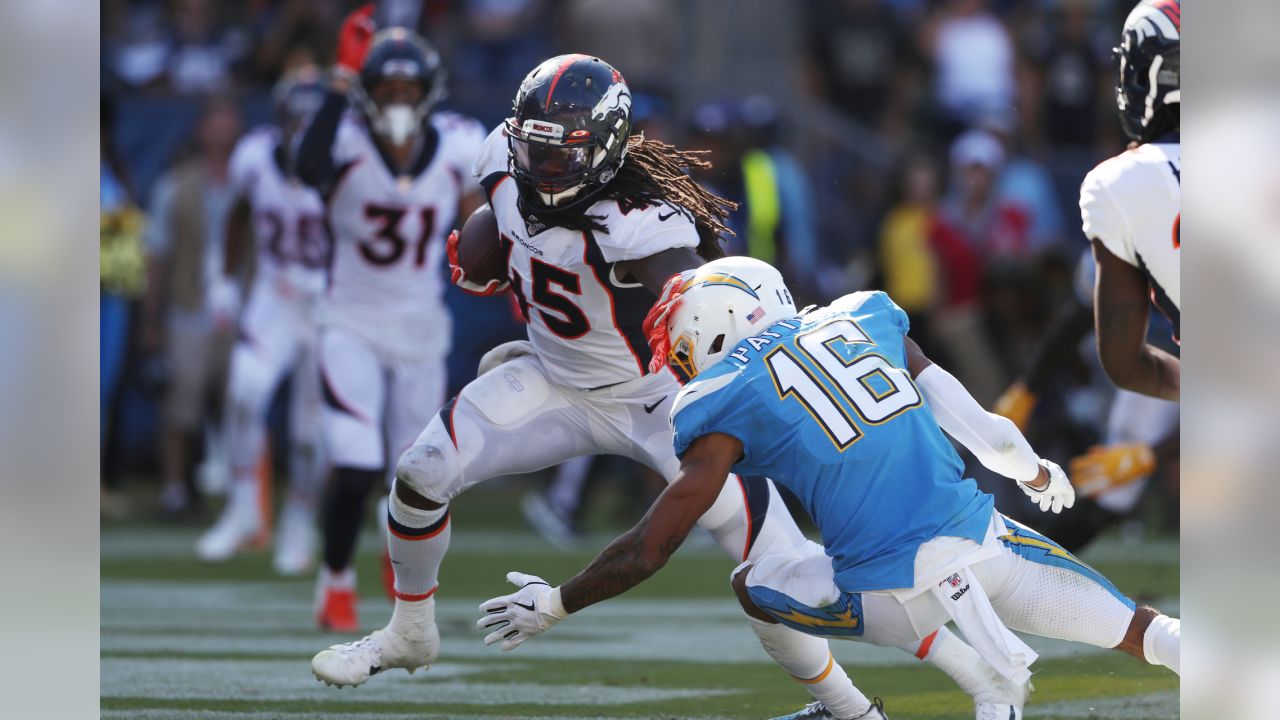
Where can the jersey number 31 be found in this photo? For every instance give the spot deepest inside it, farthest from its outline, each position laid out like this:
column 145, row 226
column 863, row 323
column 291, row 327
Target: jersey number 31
column 829, row 384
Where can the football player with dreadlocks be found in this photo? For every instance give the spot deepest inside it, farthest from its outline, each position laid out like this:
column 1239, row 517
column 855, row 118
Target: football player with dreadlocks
column 594, row 222
column 1131, row 205
column 394, row 175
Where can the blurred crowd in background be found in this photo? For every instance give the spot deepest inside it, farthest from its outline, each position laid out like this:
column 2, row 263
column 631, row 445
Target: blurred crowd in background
column 932, row 148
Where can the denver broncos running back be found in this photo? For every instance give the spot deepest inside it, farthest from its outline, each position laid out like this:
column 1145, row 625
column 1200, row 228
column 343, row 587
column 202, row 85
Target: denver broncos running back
column 1130, row 205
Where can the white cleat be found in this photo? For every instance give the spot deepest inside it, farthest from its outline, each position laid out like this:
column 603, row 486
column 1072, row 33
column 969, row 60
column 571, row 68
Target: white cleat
column 355, row 662
column 295, row 541
column 238, row 528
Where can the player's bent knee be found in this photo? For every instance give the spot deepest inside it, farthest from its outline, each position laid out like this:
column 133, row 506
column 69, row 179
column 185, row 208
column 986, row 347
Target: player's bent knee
column 739, row 583
column 430, row 468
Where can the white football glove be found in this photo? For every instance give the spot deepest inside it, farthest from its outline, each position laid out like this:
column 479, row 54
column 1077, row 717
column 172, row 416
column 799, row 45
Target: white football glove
column 524, row 613
column 1057, row 494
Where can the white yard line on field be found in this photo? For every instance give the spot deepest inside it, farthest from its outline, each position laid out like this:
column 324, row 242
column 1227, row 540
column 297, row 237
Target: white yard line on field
column 276, row 680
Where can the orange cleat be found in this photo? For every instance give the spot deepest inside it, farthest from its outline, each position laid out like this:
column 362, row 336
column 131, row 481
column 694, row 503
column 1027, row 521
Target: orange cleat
column 337, row 612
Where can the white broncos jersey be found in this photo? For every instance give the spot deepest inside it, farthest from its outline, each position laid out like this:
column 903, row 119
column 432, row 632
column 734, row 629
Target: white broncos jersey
column 387, row 277
column 584, row 322
column 288, row 218
column 1132, row 204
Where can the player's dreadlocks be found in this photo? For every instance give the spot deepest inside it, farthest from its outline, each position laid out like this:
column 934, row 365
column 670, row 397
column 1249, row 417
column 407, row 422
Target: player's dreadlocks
column 655, row 172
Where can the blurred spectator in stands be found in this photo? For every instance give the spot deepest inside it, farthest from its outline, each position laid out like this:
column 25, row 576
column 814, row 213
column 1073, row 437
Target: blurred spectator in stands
column 994, row 228
column 909, row 263
column 185, row 236
column 122, row 276
column 1074, row 77
column 289, row 34
column 204, row 50
column 498, row 41
column 973, row 59
column 1024, row 182
column 862, row 60
column 135, row 42
column 774, row 219
column 975, row 230
column 639, row 37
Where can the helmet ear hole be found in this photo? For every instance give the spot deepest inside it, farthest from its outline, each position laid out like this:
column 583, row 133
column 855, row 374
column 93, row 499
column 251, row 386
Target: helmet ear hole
column 717, row 344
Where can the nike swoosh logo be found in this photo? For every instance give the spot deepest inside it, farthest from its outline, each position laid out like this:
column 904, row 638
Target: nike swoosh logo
column 650, row 408
column 668, row 216
column 530, row 608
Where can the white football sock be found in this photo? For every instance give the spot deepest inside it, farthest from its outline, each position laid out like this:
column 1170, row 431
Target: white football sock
column 1162, row 643
column 417, row 541
column 808, row 659
column 953, row 656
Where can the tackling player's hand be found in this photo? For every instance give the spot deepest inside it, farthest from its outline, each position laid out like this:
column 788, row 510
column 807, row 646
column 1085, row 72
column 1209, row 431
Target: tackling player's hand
column 353, row 39
column 1051, row 489
column 522, row 614
column 1016, row 404
column 459, row 276
column 1110, row 466
column 655, row 322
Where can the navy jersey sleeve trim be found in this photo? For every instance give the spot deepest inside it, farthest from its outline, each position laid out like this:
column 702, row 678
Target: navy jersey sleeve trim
column 315, row 165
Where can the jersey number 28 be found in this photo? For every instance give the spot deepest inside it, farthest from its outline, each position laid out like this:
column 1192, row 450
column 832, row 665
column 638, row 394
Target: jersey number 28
column 829, row 385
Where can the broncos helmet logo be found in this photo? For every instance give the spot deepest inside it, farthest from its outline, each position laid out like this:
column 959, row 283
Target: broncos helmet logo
column 618, row 97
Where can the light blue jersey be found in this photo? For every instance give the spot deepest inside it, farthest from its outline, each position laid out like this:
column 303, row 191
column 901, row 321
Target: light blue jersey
column 823, row 404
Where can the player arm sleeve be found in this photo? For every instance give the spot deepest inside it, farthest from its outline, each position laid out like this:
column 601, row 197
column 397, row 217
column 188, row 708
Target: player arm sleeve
column 993, row 439
column 315, row 165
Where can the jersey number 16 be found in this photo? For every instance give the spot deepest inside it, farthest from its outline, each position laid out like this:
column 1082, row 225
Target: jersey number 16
column 828, row 385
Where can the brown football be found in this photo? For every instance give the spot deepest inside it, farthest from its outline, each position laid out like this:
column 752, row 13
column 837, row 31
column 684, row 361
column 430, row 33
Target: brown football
column 480, row 251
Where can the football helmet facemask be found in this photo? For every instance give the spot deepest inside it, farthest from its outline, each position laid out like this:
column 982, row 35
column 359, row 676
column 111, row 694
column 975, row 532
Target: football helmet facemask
column 400, row 54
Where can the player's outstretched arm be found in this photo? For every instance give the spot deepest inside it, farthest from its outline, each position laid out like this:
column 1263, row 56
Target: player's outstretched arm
column 1120, row 312
column 993, row 439
column 627, row 561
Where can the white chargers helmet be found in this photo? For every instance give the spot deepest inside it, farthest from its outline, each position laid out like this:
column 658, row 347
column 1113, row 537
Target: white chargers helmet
column 721, row 303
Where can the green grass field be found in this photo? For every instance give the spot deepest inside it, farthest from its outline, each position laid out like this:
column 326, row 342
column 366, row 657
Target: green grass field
column 184, row 640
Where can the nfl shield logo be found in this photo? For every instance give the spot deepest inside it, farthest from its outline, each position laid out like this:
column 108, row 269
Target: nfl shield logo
column 954, row 580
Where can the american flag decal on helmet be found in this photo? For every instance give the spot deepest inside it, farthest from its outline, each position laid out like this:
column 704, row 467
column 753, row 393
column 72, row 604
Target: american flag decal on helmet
column 754, row 316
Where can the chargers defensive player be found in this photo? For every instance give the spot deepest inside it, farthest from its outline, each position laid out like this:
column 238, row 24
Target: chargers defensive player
column 394, row 176
column 595, row 221
column 276, row 334
column 1130, row 205
column 842, row 408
